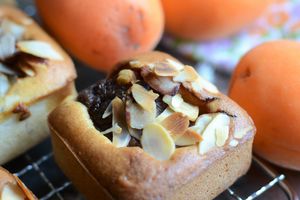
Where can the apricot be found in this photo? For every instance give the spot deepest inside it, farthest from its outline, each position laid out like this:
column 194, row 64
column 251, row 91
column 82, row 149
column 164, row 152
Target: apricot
column 266, row 83
column 101, row 33
column 210, row 19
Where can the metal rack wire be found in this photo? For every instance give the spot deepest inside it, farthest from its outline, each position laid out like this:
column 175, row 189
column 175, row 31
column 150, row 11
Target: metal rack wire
column 61, row 190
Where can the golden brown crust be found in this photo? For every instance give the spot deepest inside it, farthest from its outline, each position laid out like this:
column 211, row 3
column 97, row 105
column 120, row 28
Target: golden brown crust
column 129, row 172
column 51, row 75
column 133, row 168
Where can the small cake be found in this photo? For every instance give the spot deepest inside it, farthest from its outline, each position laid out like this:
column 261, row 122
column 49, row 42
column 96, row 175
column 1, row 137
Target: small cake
column 153, row 129
column 12, row 188
column 35, row 76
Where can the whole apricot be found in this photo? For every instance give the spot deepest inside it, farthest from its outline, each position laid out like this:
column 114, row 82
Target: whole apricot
column 101, row 33
column 210, row 19
column 266, row 83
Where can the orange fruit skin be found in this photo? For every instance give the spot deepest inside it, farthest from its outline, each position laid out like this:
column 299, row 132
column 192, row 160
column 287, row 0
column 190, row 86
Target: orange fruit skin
column 101, row 33
column 266, row 83
column 210, row 19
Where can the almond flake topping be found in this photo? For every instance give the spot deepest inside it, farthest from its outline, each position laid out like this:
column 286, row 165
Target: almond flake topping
column 190, row 137
column 188, row 74
column 39, row 48
column 209, row 134
column 177, row 104
column 137, row 117
column 126, row 76
column 145, row 98
column 176, row 124
column 178, row 66
column 202, row 84
column 157, row 141
column 120, row 138
column 164, row 69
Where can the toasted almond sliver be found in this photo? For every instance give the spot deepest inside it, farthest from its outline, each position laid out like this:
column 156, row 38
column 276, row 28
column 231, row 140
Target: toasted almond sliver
column 178, row 66
column 39, row 48
column 167, row 112
column 176, row 124
column 190, row 137
column 185, row 108
column 108, row 111
column 27, row 70
column 126, row 76
column 115, row 128
column 157, row 142
column 222, row 135
column 200, row 84
column 188, row 74
column 163, row 69
column 209, row 134
column 202, row 122
column 164, row 85
column 118, row 110
column 136, row 64
column 137, row 117
column 145, row 98
column 241, row 133
column 136, row 133
column 4, row 84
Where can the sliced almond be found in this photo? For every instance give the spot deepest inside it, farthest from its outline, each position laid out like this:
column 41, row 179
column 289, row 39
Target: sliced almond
column 7, row 45
column 176, row 124
column 164, row 69
column 222, row 134
column 126, row 76
column 115, row 128
column 209, row 134
column 136, row 64
column 233, row 143
column 145, row 98
column 4, row 85
column 39, row 48
column 241, row 133
column 202, row 122
column 27, row 70
column 11, row 27
column 190, row 137
column 137, row 117
column 167, row 112
column 136, row 133
column 108, row 111
column 164, row 85
column 178, row 66
column 178, row 105
column 188, row 74
column 118, row 109
column 6, row 70
column 157, row 142
column 202, row 84
column 12, row 191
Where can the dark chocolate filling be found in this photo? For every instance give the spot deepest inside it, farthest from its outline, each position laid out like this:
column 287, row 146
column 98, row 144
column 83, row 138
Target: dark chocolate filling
column 98, row 96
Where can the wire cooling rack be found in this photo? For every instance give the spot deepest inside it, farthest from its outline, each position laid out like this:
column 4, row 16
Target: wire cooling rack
column 37, row 169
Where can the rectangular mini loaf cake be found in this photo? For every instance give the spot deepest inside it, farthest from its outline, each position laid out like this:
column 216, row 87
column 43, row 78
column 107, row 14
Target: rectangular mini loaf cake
column 35, row 76
column 154, row 129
